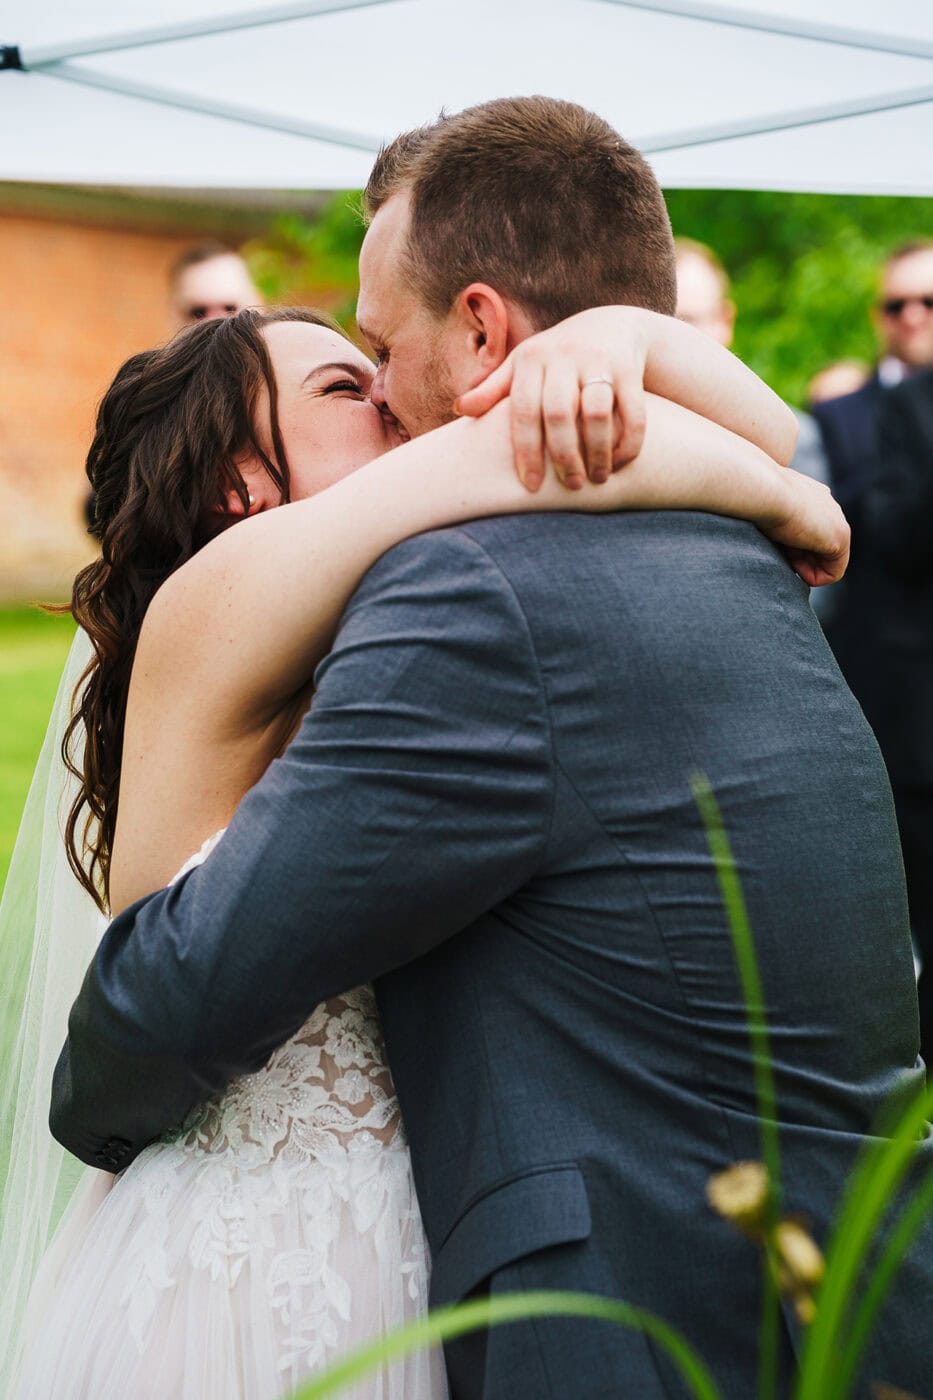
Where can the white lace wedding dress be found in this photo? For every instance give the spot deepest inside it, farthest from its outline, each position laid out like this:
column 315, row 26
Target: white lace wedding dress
column 277, row 1230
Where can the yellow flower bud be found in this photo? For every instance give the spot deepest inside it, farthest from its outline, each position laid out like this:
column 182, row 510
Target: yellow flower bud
column 805, row 1308
column 740, row 1195
column 799, row 1257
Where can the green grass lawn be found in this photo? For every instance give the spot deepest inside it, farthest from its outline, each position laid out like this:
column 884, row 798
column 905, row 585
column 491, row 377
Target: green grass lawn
column 33, row 647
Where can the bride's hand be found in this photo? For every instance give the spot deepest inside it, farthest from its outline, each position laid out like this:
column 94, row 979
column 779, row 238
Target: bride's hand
column 815, row 535
column 576, row 395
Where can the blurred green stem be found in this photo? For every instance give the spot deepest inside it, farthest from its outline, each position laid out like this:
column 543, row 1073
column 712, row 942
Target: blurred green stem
column 445, row 1324
column 753, row 994
column 835, row 1341
column 902, row 1237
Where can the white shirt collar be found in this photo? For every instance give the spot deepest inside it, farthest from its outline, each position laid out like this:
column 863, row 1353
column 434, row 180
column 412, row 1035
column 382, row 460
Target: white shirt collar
column 890, row 371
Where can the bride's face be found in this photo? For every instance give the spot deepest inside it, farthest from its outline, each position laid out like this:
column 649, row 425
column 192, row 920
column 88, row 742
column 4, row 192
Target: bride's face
column 328, row 425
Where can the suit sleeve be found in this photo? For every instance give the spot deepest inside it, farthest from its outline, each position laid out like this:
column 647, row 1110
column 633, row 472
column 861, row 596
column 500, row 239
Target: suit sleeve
column 899, row 506
column 416, row 795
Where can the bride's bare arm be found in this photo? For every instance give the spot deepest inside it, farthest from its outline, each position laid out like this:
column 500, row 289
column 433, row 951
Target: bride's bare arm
column 608, row 357
column 230, row 642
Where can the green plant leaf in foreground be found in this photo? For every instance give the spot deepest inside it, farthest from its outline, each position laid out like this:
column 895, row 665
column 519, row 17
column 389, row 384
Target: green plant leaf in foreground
column 902, row 1237
column 446, row 1323
column 750, row 978
column 834, row 1347
column 753, row 994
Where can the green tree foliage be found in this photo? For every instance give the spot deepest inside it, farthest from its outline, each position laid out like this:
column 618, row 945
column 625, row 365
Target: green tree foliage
column 804, row 271
column 803, row 267
column 301, row 256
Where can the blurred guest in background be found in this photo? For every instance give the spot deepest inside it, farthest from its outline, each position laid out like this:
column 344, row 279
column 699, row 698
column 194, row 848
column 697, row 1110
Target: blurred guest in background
column 898, row 519
column 904, row 322
column 879, row 441
column 838, row 378
column 704, row 301
column 703, row 291
column 207, row 281
column 900, row 503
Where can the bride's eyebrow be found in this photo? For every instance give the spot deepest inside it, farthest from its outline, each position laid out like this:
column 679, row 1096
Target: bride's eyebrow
column 357, row 371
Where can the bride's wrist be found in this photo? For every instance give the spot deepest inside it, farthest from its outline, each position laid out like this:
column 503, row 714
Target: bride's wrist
column 782, row 505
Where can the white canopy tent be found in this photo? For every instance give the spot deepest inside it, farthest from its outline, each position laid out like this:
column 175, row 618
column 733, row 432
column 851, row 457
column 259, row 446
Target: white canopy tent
column 829, row 95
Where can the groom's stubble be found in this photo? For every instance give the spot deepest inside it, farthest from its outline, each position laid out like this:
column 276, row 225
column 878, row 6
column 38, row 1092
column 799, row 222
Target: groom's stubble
column 415, row 380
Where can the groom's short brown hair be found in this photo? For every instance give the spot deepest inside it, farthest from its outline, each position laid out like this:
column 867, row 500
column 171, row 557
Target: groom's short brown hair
column 540, row 199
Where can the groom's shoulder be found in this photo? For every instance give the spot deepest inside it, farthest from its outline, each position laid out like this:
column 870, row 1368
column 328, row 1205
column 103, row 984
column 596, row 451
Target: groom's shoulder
column 535, row 534
column 544, row 547
column 551, row 550
column 440, row 605
column 452, row 557
column 427, row 582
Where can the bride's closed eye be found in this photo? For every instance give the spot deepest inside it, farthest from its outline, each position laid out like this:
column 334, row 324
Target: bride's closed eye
column 344, row 386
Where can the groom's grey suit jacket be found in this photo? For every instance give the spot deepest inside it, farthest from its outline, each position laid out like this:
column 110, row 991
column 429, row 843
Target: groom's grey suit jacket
column 488, row 811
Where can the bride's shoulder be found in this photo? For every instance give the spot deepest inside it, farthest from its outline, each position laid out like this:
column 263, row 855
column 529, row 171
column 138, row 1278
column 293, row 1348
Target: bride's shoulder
column 199, row 605
column 188, row 593
column 189, row 608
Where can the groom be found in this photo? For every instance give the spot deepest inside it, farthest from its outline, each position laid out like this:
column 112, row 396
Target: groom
column 488, row 812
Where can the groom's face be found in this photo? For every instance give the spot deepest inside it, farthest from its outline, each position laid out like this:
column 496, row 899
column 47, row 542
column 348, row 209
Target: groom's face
column 421, row 366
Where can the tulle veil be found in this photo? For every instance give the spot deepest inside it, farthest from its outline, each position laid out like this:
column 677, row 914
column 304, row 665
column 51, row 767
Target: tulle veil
column 49, row 930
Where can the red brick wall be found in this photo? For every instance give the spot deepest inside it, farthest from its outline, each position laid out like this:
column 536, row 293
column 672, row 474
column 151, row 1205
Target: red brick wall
column 75, row 302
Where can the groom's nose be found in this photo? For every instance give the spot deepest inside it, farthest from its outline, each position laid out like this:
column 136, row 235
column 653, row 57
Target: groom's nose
column 377, row 396
column 378, row 393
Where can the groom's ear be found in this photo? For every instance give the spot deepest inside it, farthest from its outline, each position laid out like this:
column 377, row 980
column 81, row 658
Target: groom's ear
column 490, row 327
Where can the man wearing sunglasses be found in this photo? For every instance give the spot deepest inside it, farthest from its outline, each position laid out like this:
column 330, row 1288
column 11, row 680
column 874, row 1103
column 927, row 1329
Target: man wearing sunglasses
column 903, row 316
column 905, row 311
column 207, row 281
column 882, row 627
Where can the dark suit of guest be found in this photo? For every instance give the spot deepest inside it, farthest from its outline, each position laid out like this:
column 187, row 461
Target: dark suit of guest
column 901, row 501
column 849, row 426
column 897, row 516
column 488, row 811
column 879, row 629
column 861, row 602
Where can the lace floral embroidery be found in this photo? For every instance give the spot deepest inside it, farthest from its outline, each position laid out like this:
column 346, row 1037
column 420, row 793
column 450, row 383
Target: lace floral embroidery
column 277, row 1167
column 326, row 1084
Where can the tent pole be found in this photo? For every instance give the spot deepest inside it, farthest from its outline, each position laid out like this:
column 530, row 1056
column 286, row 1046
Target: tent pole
column 42, row 56
column 227, row 111
column 653, row 143
column 770, row 23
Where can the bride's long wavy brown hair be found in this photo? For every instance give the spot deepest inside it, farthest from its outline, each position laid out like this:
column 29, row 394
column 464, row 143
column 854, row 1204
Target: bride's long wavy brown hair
column 170, row 431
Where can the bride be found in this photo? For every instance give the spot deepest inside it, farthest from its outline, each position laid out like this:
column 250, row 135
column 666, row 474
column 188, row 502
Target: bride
column 278, row 1226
